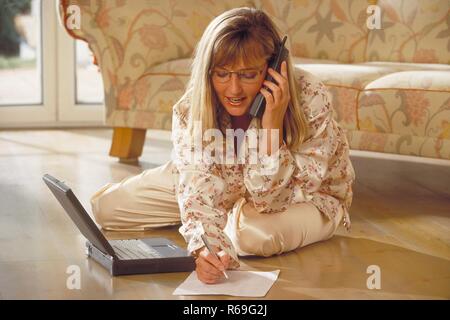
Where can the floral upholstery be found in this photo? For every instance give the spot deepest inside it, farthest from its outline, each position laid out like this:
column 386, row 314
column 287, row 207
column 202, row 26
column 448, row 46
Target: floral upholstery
column 412, row 31
column 390, row 87
column 329, row 29
column 401, row 108
column 407, row 112
column 129, row 38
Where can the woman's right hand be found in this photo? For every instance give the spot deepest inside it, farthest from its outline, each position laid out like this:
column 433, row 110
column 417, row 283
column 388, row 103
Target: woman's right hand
column 209, row 268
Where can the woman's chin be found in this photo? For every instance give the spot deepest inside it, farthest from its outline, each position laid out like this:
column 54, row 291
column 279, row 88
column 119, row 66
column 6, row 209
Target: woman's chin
column 236, row 111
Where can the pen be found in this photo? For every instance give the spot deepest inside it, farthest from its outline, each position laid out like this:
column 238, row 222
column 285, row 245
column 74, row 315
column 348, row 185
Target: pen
column 212, row 251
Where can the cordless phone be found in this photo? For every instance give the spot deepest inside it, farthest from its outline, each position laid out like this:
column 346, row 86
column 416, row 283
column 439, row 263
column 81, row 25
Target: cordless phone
column 258, row 105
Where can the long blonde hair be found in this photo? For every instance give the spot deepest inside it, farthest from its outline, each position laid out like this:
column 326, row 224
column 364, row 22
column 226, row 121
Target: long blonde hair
column 241, row 34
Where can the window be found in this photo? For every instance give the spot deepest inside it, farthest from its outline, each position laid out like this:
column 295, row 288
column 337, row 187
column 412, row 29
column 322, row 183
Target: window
column 20, row 53
column 89, row 85
column 48, row 78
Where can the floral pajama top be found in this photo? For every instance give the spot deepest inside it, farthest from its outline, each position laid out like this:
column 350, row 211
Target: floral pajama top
column 319, row 171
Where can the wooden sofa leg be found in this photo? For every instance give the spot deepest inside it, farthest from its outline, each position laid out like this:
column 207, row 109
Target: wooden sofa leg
column 127, row 144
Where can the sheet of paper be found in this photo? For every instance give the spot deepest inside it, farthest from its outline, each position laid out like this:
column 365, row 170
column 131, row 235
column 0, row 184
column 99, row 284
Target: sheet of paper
column 239, row 284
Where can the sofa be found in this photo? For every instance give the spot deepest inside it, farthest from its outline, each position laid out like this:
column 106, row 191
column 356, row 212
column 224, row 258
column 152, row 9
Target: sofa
column 390, row 86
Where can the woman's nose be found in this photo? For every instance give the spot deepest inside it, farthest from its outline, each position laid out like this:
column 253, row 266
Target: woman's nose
column 235, row 84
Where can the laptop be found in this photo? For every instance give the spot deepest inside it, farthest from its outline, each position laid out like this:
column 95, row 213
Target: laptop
column 121, row 257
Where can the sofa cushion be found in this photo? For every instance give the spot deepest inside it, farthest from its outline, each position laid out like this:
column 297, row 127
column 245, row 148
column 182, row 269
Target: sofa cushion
column 354, row 76
column 359, row 75
column 414, row 79
column 407, row 102
column 405, row 66
column 345, row 82
column 406, row 112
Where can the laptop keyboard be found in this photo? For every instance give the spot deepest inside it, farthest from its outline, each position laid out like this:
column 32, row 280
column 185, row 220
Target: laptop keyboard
column 133, row 249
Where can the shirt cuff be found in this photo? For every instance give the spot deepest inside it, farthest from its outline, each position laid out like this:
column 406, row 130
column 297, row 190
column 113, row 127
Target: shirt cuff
column 216, row 238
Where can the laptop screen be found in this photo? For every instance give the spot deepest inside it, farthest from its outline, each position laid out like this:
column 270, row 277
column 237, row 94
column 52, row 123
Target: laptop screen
column 79, row 216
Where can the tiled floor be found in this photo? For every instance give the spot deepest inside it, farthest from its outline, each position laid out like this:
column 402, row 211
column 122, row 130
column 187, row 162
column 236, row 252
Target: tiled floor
column 400, row 214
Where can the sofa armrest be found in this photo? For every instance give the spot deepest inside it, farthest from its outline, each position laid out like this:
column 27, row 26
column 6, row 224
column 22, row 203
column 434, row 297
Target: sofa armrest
column 129, row 37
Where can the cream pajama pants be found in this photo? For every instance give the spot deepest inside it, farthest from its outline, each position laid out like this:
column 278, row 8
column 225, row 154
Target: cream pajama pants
column 147, row 201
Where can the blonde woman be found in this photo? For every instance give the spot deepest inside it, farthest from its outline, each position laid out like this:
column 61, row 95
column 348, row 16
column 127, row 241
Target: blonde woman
column 241, row 208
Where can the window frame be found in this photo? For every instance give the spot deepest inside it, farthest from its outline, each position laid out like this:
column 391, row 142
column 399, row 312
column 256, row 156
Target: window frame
column 58, row 107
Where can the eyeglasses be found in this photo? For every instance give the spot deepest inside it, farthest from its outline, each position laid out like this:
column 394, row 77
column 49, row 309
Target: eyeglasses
column 246, row 76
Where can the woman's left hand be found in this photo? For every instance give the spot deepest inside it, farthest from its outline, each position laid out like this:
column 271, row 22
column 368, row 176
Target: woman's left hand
column 277, row 101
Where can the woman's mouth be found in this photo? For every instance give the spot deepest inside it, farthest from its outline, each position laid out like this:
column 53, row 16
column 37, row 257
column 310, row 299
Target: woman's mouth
column 235, row 101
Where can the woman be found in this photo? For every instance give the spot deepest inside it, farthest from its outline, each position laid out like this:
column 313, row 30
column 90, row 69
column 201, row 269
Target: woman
column 242, row 209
